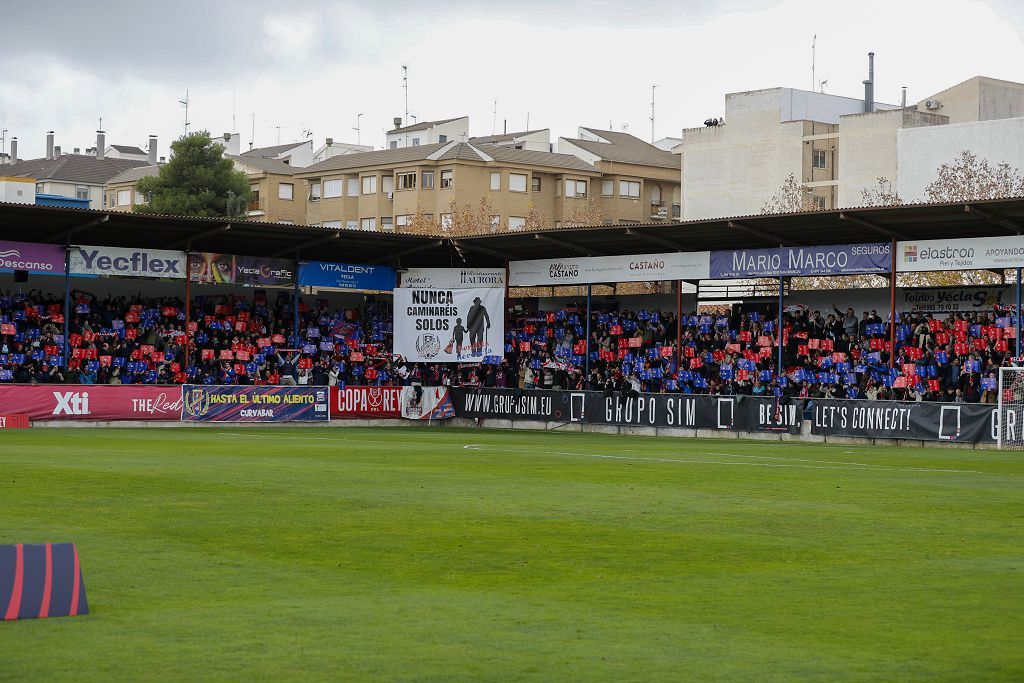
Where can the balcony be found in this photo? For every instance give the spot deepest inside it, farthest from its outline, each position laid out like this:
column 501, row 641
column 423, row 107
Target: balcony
column 659, row 210
column 254, row 208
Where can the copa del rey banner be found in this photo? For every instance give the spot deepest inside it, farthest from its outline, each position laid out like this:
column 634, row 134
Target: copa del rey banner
column 639, row 268
column 118, row 262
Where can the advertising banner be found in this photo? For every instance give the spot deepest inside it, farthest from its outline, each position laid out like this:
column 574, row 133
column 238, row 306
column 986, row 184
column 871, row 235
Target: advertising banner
column 951, row 299
column 967, row 422
column 228, row 269
column 960, row 254
column 641, row 268
column 346, row 276
column 91, row 401
column 366, row 402
column 40, row 259
column 254, row 404
column 730, row 413
column 454, row 278
column 118, row 262
column 836, row 259
column 449, row 325
column 427, row 403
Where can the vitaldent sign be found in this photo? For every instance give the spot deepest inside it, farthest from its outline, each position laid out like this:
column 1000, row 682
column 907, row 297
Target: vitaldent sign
column 453, row 278
column 117, row 262
column 960, row 254
column 640, row 268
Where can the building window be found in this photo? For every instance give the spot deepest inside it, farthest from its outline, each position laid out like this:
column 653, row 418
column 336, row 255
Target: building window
column 387, row 223
column 407, row 181
column 516, row 223
column 495, row 182
column 428, row 180
column 124, row 197
column 387, row 184
column 285, row 190
column 82, row 192
column 442, row 138
column 607, row 188
column 535, row 183
column 516, row 182
column 332, row 224
column 446, row 221
column 576, row 188
column 369, row 184
column 819, row 202
column 629, row 188
column 415, row 142
column 287, row 222
column 352, row 224
column 39, row 188
column 495, row 223
column 314, row 191
column 402, row 220
column 818, row 159
column 447, row 180
column 352, row 187
column 393, row 144
column 368, row 223
column 332, row 188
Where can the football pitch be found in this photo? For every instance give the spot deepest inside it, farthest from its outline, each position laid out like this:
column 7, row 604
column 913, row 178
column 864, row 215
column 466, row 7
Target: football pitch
column 447, row 554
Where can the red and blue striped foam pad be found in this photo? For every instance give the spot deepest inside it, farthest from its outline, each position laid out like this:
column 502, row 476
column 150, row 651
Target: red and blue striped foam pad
column 38, row 581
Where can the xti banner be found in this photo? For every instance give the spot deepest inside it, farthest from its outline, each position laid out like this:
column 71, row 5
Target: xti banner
column 449, row 325
column 201, row 403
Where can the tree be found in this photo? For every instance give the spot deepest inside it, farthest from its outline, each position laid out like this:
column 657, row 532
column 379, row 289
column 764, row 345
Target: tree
column 584, row 213
column 792, row 197
column 197, row 181
column 967, row 178
column 883, row 195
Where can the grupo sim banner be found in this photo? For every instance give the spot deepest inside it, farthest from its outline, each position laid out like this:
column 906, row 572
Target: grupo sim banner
column 100, row 402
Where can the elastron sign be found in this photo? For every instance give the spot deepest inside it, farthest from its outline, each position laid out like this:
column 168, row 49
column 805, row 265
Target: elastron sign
column 960, row 254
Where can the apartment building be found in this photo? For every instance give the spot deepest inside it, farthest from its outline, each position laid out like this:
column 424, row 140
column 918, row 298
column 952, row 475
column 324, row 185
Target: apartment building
column 120, row 191
column 534, row 140
column 640, row 183
column 392, row 189
column 295, row 154
column 276, row 195
column 839, row 147
column 428, row 132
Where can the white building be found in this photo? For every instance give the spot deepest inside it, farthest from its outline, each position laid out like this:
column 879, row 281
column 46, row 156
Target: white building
column 331, row 148
column 428, row 132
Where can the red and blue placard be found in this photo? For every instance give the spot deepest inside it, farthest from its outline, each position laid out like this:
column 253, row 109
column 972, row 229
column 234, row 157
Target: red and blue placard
column 202, row 403
column 38, row 581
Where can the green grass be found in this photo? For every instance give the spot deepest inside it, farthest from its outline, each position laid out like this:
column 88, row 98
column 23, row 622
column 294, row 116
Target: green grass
column 400, row 554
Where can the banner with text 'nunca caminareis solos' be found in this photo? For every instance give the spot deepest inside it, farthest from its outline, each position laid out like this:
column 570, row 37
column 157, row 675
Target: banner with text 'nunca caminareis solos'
column 254, row 404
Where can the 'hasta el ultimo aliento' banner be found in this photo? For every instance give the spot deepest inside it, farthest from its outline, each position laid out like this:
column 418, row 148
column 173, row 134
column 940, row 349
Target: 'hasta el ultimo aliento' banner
column 200, row 403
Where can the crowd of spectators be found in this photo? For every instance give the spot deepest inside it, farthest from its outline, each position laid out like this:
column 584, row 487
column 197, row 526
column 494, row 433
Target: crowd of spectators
column 250, row 340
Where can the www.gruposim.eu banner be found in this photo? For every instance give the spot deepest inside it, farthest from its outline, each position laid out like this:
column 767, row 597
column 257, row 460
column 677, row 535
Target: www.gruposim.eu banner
column 254, row 404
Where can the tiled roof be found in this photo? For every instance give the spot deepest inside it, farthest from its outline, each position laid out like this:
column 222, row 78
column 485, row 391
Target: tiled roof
column 72, row 168
column 504, row 137
column 134, row 174
column 127, row 149
column 626, row 149
column 423, row 126
column 265, row 164
column 509, row 155
column 272, row 151
column 380, row 157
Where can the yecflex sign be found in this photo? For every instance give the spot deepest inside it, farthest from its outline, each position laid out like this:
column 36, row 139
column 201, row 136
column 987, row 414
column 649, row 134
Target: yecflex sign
column 118, row 262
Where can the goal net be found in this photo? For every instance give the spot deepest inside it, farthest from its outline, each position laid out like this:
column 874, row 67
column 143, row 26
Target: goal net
column 1011, row 406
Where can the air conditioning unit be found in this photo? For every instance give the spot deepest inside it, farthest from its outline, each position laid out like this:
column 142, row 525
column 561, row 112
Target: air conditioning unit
column 391, row 195
column 933, row 104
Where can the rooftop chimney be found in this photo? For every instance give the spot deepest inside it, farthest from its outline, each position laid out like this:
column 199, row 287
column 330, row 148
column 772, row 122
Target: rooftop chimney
column 14, row 150
column 398, row 121
column 56, row 152
column 330, row 141
column 78, row 150
column 869, row 85
column 49, row 144
column 101, row 143
column 152, row 150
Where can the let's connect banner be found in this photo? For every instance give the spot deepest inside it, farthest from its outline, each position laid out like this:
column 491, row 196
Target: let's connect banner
column 40, row 259
column 346, row 276
column 118, row 262
column 259, row 271
column 641, row 268
column 959, row 254
column 254, row 404
column 837, row 259
column 449, row 325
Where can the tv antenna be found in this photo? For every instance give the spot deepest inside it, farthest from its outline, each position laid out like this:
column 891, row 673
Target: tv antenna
column 252, row 135
column 814, row 47
column 357, row 129
column 821, row 85
column 278, row 126
column 405, row 86
column 185, row 102
column 654, row 87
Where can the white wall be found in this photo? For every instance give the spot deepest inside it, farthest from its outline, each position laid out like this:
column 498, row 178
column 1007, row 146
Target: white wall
column 17, row 191
column 920, row 151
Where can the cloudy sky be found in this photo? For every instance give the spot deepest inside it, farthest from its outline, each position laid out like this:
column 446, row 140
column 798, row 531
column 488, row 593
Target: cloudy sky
column 317, row 65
